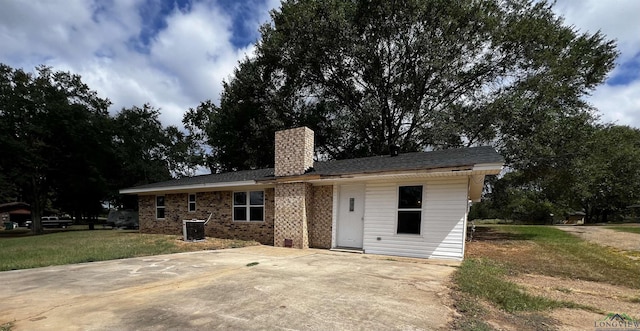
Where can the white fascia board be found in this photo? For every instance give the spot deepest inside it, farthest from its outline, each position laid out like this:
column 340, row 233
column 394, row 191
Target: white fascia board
column 488, row 168
column 478, row 169
column 193, row 187
column 400, row 175
column 476, row 184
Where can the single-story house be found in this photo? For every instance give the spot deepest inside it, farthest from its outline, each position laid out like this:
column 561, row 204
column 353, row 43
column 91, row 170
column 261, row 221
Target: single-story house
column 407, row 204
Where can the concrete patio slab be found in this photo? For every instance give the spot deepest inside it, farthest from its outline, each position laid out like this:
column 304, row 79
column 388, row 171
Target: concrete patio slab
column 251, row 288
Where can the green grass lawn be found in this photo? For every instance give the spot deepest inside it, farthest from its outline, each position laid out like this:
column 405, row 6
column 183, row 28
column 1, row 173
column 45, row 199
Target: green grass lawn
column 503, row 250
column 87, row 246
column 485, row 278
column 631, row 229
column 563, row 254
column 549, row 251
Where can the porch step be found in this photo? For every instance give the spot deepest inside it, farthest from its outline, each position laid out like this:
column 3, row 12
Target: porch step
column 348, row 250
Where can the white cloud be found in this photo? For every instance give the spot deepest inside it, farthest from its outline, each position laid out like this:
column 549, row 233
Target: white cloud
column 620, row 104
column 618, row 20
column 185, row 64
column 196, row 48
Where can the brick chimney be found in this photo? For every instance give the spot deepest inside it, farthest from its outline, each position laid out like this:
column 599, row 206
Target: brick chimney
column 294, row 151
column 294, row 155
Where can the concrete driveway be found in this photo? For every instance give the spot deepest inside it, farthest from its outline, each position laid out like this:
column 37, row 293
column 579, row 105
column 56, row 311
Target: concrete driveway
column 288, row 289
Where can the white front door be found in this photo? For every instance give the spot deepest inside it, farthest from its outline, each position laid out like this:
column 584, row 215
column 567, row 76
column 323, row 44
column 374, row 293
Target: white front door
column 350, row 216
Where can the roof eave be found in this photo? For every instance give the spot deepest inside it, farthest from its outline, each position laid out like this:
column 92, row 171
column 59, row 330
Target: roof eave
column 192, row 187
column 286, row 179
column 476, row 169
column 488, row 168
column 414, row 173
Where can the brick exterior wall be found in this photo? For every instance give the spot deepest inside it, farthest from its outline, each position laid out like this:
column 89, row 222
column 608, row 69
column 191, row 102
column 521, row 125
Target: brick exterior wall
column 221, row 225
column 293, row 211
column 321, row 211
column 293, row 151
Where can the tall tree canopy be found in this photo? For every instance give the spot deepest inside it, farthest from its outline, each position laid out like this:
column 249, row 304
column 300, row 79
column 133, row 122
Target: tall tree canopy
column 418, row 74
column 147, row 152
column 596, row 173
column 602, row 178
column 61, row 149
column 51, row 131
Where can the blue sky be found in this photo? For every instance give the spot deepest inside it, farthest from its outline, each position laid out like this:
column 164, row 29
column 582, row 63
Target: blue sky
column 174, row 54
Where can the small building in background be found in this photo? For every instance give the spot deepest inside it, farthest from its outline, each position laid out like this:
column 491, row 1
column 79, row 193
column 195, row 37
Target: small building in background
column 17, row 212
column 576, row 217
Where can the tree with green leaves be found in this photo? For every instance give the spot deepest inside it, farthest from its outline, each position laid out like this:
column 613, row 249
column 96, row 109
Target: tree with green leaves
column 50, row 137
column 596, row 173
column 240, row 132
column 61, row 149
column 139, row 140
column 605, row 179
column 147, row 152
column 419, row 74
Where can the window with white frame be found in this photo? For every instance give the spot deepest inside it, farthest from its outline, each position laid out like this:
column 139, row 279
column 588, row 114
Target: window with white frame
column 192, row 202
column 409, row 209
column 248, row 206
column 160, row 207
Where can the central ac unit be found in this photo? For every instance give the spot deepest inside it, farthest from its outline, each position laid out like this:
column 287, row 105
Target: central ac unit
column 193, row 230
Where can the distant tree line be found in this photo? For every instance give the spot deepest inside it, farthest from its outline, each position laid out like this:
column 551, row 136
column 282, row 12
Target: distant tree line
column 365, row 76
column 597, row 173
column 61, row 149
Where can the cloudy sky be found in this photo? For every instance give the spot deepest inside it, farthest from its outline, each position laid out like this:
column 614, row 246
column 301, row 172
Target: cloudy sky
column 174, row 54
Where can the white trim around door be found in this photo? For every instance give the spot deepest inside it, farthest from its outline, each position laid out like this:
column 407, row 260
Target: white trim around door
column 350, row 222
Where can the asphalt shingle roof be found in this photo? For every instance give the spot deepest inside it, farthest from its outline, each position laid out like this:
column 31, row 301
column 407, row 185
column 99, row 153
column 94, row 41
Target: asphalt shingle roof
column 225, row 177
column 411, row 161
column 404, row 162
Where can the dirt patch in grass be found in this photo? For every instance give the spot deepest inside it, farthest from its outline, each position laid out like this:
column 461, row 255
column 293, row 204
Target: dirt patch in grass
column 602, row 298
column 475, row 314
column 553, row 252
column 211, row 244
column 618, row 239
column 502, row 250
column 549, row 263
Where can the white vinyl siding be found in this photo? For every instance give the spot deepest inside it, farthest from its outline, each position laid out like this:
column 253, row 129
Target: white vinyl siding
column 443, row 217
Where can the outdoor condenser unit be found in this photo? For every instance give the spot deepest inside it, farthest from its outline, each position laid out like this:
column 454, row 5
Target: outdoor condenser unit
column 193, row 230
